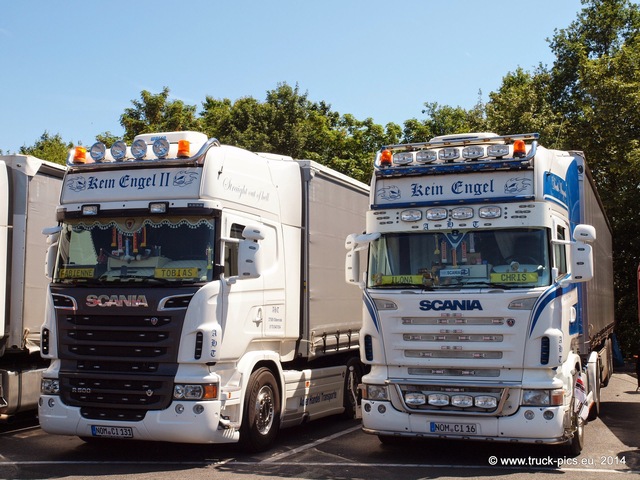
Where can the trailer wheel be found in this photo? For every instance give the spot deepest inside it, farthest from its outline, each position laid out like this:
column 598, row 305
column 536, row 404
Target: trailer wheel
column 261, row 418
column 352, row 395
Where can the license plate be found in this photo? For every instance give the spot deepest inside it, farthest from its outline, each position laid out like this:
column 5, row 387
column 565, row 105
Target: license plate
column 111, row 432
column 454, row 428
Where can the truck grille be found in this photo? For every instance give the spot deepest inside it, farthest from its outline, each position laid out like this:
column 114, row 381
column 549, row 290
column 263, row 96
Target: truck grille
column 119, row 364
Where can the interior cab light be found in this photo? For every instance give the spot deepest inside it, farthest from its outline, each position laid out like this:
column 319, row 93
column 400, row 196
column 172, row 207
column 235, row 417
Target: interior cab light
column 386, row 157
column 139, row 149
column 184, row 148
column 80, row 155
column 519, row 149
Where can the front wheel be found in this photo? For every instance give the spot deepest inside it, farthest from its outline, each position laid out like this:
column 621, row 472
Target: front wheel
column 261, row 418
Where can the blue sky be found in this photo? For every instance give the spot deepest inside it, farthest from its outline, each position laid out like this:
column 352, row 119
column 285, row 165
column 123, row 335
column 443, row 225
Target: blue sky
column 72, row 67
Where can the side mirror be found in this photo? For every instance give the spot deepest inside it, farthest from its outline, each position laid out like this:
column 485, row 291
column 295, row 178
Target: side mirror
column 354, row 244
column 582, row 253
column 248, row 266
column 53, row 235
column 248, row 247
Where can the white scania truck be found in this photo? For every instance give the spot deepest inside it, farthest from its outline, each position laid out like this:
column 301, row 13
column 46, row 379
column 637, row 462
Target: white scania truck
column 197, row 295
column 488, row 300
column 29, row 193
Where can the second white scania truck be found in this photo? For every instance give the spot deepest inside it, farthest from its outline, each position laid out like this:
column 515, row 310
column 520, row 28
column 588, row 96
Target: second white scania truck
column 488, row 298
column 197, row 294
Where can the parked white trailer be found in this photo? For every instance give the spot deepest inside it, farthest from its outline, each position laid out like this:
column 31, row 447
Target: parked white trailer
column 29, row 193
column 488, row 300
column 198, row 294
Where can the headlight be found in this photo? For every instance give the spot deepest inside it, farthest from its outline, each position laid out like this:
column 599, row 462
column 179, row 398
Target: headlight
column 543, row 398
column 195, row 392
column 50, row 386
column 415, row 398
column 486, row 401
column 376, row 392
column 462, row 401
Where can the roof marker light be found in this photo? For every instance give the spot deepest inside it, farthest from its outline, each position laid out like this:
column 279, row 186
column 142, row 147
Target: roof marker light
column 184, row 148
column 139, row 149
column 80, row 155
column 98, row 151
column 386, row 157
column 119, row 150
column 519, row 149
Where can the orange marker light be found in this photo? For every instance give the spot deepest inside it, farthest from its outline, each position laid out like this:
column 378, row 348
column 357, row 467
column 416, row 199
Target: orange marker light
column 386, row 158
column 184, row 148
column 80, row 155
column 519, row 149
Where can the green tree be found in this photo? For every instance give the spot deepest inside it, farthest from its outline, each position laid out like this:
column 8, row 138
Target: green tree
column 522, row 105
column 444, row 120
column 595, row 86
column 48, row 147
column 155, row 113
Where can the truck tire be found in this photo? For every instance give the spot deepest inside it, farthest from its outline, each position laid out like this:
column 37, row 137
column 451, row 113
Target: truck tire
column 575, row 445
column 594, row 411
column 352, row 395
column 261, row 418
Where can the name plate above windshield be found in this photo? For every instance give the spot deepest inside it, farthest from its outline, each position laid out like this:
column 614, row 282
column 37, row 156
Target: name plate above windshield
column 450, row 189
column 132, row 184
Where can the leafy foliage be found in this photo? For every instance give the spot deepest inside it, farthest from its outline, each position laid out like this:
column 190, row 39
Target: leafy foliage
column 47, row 147
column 589, row 99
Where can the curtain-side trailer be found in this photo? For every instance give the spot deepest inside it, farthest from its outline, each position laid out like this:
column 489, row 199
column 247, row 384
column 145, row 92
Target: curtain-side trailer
column 29, row 193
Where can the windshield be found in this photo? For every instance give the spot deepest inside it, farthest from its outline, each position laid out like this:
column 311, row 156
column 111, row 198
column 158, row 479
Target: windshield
column 172, row 250
column 507, row 258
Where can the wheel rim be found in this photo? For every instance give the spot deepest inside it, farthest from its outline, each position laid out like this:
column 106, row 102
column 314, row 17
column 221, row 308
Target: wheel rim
column 264, row 410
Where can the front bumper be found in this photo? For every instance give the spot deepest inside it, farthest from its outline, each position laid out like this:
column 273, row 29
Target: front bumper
column 381, row 418
column 158, row 425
